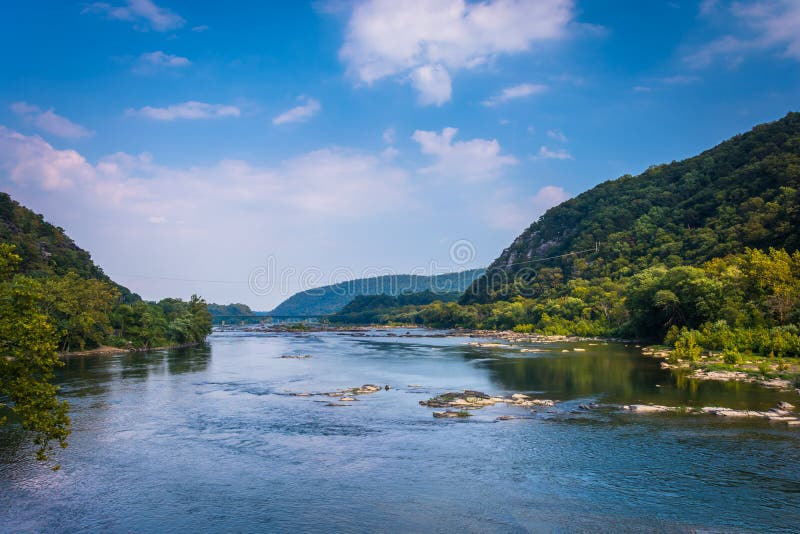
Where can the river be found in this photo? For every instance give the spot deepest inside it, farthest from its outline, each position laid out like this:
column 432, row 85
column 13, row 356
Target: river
column 212, row 439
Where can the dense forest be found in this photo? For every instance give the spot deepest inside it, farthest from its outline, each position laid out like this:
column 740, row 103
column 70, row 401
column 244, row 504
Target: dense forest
column 402, row 308
column 703, row 249
column 53, row 298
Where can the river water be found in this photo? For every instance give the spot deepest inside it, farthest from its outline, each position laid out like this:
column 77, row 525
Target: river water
column 212, row 439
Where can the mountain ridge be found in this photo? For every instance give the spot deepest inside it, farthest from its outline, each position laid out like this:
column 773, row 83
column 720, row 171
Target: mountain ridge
column 329, row 299
column 741, row 193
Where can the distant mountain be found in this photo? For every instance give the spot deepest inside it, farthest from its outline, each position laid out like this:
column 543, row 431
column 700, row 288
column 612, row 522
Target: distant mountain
column 744, row 192
column 46, row 249
column 330, row 299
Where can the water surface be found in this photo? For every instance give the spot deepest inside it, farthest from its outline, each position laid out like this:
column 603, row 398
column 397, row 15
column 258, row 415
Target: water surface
column 211, row 438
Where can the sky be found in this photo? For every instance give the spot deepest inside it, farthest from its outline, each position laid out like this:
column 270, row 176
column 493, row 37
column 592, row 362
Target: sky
column 247, row 150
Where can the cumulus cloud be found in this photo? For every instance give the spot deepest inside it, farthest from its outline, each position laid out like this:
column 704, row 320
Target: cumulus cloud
column 158, row 60
column 48, row 121
column 547, row 197
column 300, row 113
column 191, row 110
column 433, row 84
column 517, row 91
column 473, row 160
column 329, row 182
column 144, row 14
column 429, row 41
column 761, row 24
column 546, row 153
column 508, row 212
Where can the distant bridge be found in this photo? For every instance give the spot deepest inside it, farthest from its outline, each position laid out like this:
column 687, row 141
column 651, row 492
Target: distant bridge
column 276, row 319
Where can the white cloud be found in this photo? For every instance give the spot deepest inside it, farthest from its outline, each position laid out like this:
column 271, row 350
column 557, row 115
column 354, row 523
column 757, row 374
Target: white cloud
column 517, row 91
column 433, row 84
column 763, row 25
column 558, row 135
column 474, row 160
column 546, row 153
column 300, row 113
column 152, row 61
column 547, row 197
column 30, row 159
column 429, row 41
column 145, row 14
column 507, row 211
column 186, row 110
column 326, row 182
column 389, row 152
column 48, row 121
column 200, row 29
column 388, row 136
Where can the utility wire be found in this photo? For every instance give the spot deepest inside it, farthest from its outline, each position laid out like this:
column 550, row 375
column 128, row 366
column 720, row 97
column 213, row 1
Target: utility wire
column 175, row 279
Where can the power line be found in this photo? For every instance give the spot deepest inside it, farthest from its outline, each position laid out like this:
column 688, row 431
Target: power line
column 194, row 280
column 173, row 279
column 573, row 253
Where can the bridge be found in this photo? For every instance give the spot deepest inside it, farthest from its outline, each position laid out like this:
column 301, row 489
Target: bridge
column 230, row 320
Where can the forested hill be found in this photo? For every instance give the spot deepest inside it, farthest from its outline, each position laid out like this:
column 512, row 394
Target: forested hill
column 331, row 299
column 46, row 249
column 742, row 193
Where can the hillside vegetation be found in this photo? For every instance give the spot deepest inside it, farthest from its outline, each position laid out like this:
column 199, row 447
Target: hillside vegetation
column 703, row 249
column 54, row 298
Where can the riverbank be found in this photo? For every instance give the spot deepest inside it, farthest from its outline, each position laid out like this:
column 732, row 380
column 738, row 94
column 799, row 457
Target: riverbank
column 768, row 372
column 105, row 350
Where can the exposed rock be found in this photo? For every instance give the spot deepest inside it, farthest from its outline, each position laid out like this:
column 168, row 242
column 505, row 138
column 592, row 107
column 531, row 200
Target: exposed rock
column 365, row 389
column 451, row 414
column 730, row 412
column 296, row 356
column 778, row 383
column 336, row 404
column 387, row 387
column 785, row 406
column 647, row 408
column 348, row 399
column 471, row 399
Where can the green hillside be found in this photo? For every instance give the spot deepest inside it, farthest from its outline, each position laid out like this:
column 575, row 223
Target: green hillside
column 330, row 299
column 742, row 193
column 45, row 249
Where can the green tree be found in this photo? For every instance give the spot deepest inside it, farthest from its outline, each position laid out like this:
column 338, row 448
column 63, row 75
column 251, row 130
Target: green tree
column 28, row 342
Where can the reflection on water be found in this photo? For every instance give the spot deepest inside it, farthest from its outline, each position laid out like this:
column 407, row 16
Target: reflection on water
column 210, row 439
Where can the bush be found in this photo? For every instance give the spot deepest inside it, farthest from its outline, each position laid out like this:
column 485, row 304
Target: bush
column 732, row 357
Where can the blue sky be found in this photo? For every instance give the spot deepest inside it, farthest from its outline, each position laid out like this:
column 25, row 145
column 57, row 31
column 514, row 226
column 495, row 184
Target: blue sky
column 195, row 146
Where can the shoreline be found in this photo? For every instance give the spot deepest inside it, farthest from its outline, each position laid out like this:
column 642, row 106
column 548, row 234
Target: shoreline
column 710, row 366
column 107, row 350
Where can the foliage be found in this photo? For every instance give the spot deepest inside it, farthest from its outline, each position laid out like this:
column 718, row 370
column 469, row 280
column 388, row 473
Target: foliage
column 28, row 341
column 45, row 249
column 49, row 312
column 743, row 193
column 377, row 309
